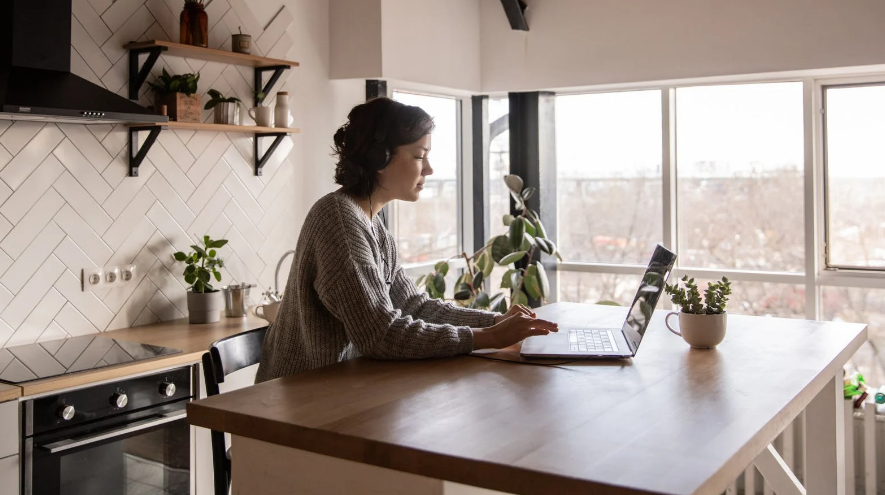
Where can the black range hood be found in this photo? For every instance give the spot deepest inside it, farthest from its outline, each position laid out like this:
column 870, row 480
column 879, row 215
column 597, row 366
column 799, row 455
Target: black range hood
column 36, row 82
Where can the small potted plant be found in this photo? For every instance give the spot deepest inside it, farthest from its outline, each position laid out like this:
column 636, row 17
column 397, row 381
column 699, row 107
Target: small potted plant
column 204, row 302
column 701, row 321
column 227, row 108
column 179, row 94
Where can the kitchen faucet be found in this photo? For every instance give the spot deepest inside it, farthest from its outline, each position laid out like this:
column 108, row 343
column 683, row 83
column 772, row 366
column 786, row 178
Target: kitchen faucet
column 276, row 277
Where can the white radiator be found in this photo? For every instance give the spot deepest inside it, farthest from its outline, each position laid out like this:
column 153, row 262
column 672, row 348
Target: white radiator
column 864, row 455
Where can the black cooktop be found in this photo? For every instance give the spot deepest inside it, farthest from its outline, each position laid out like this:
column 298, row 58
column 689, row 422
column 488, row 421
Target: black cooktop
column 61, row 357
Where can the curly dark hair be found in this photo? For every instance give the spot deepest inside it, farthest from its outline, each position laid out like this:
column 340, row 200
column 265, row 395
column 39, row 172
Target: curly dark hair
column 370, row 137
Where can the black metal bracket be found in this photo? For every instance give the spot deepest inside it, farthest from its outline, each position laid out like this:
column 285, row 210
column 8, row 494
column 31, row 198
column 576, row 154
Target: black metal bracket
column 137, row 76
column 136, row 154
column 265, row 88
column 261, row 160
column 515, row 10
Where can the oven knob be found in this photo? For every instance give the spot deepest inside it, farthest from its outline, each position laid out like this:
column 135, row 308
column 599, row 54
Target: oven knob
column 167, row 389
column 119, row 400
column 66, row 413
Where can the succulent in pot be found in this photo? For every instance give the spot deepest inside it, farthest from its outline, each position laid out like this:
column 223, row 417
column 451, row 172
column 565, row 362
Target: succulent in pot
column 227, row 108
column 204, row 302
column 702, row 322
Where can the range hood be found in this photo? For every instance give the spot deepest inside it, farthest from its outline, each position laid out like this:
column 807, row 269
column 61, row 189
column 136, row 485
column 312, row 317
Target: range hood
column 36, row 82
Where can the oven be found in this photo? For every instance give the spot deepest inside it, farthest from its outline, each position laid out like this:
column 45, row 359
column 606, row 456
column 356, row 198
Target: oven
column 124, row 437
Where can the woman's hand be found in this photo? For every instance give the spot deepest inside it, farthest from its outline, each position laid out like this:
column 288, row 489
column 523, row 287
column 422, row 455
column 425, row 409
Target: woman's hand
column 510, row 330
column 516, row 309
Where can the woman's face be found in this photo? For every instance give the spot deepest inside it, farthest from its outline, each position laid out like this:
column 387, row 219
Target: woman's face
column 403, row 177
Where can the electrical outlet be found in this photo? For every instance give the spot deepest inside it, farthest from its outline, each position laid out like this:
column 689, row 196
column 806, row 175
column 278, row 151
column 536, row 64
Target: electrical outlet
column 112, row 276
column 127, row 273
column 93, row 278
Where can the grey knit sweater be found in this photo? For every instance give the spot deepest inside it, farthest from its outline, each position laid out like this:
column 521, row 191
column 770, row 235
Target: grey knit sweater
column 347, row 296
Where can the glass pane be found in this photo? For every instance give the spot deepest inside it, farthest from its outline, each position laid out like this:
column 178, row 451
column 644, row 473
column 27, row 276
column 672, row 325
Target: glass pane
column 740, row 177
column 428, row 229
column 859, row 305
column 593, row 288
column 855, row 121
column 499, row 164
column 762, row 298
column 608, row 160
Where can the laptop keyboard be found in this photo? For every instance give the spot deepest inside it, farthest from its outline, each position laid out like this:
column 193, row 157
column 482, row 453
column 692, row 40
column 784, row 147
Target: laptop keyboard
column 594, row 339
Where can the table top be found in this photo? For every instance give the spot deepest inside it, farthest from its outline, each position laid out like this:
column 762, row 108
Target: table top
column 9, row 392
column 672, row 420
column 192, row 339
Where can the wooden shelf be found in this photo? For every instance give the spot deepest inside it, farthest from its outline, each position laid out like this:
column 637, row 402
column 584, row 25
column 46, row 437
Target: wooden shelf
column 211, row 54
column 201, row 126
column 137, row 154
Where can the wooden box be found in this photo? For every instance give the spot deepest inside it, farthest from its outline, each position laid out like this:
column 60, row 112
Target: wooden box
column 183, row 108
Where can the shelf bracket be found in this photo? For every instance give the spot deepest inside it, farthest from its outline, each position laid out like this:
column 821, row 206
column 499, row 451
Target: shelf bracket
column 265, row 88
column 261, row 160
column 137, row 76
column 136, row 154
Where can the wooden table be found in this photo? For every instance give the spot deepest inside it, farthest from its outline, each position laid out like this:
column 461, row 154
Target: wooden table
column 672, row 420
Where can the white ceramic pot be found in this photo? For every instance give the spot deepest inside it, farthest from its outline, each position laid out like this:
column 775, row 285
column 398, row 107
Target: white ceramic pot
column 204, row 307
column 227, row 113
column 699, row 331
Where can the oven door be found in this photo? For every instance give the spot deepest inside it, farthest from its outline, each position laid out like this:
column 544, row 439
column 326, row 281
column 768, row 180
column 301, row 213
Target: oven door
column 142, row 453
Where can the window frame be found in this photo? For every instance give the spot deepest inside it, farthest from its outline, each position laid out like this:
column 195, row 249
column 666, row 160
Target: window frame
column 463, row 170
column 817, row 274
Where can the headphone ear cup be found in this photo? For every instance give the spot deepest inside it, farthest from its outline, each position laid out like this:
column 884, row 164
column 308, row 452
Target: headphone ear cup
column 378, row 156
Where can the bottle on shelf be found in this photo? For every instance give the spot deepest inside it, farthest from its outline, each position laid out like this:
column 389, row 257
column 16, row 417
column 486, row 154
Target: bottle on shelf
column 281, row 116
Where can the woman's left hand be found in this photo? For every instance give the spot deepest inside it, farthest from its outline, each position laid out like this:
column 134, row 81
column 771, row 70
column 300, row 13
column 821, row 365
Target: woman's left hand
column 516, row 309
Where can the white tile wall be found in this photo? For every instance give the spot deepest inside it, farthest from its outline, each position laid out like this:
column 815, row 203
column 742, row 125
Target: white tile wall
column 66, row 202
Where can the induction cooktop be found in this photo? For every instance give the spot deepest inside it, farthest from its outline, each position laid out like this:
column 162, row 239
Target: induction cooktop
column 24, row 363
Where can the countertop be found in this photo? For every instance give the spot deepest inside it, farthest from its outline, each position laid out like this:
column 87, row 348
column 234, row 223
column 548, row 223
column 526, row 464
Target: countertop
column 671, row 420
column 9, row 392
column 193, row 340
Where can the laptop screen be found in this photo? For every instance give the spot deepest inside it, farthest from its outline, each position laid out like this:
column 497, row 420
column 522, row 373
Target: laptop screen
column 650, row 289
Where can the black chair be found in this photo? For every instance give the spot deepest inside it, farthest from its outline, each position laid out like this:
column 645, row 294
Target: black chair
column 224, row 357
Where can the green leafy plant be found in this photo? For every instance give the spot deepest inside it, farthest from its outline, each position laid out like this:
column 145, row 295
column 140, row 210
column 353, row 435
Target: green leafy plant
column 689, row 298
column 259, row 97
column 525, row 237
column 202, row 264
column 215, row 97
column 179, row 83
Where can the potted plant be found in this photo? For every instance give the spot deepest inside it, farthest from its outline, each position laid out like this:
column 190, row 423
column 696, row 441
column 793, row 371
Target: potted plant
column 227, row 108
column 179, row 94
column 525, row 237
column 702, row 322
column 204, row 302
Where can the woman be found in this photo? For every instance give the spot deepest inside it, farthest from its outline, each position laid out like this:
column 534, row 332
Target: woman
column 347, row 295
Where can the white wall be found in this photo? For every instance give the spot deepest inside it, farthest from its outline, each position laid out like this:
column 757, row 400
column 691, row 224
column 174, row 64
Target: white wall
column 432, row 42
column 582, row 43
column 67, row 204
column 355, row 29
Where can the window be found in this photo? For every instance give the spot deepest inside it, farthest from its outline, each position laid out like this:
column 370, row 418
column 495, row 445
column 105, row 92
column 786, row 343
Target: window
column 499, row 164
column 608, row 165
column 855, row 176
column 429, row 229
column 739, row 180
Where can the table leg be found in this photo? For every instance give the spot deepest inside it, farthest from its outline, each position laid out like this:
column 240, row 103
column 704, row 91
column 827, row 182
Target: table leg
column 825, row 440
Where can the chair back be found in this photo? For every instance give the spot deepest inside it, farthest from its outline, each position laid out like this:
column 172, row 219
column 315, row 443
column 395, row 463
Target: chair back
column 224, row 357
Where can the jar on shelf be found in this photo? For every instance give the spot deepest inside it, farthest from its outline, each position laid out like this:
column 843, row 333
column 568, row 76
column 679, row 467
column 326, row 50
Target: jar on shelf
column 281, row 116
column 194, row 23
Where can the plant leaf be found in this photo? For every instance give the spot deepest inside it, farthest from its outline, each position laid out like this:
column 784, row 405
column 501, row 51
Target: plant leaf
column 190, row 269
column 517, row 229
column 506, row 281
column 520, row 298
column 529, row 226
column 528, row 192
column 442, row 267
column 500, row 248
column 543, row 281
column 477, row 280
column 514, row 183
column 199, row 250
column 541, row 232
column 514, row 278
column 528, row 242
column 179, row 256
column 217, row 244
column 463, row 295
column 488, row 264
column 204, row 276
column 495, row 300
column 543, row 244
column 482, row 300
column 211, row 253
column 439, row 283
column 531, row 282
column 217, row 276
column 508, row 219
column 190, row 278
column 512, row 258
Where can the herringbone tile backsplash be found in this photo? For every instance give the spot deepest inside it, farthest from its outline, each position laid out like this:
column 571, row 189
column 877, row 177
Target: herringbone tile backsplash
column 66, row 202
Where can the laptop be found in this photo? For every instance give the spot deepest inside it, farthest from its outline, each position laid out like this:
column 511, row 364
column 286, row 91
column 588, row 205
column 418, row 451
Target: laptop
column 609, row 343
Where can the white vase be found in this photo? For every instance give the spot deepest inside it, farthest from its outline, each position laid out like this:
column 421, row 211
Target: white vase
column 281, row 116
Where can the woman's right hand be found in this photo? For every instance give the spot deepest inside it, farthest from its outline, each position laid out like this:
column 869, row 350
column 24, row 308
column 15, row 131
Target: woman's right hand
column 510, row 331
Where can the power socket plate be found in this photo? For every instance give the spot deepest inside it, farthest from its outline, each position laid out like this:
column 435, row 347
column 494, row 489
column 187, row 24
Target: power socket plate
column 107, row 277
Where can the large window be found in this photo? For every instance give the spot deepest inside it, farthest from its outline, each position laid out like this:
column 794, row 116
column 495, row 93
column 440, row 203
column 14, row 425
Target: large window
column 499, row 163
column 855, row 176
column 739, row 169
column 429, row 228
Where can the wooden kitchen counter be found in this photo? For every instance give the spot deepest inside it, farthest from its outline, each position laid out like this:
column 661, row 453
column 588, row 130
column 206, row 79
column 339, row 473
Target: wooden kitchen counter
column 193, row 340
column 9, row 392
column 672, row 420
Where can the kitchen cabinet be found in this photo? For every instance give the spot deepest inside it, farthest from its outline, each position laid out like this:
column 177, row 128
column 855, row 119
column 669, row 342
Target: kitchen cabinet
column 9, row 442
